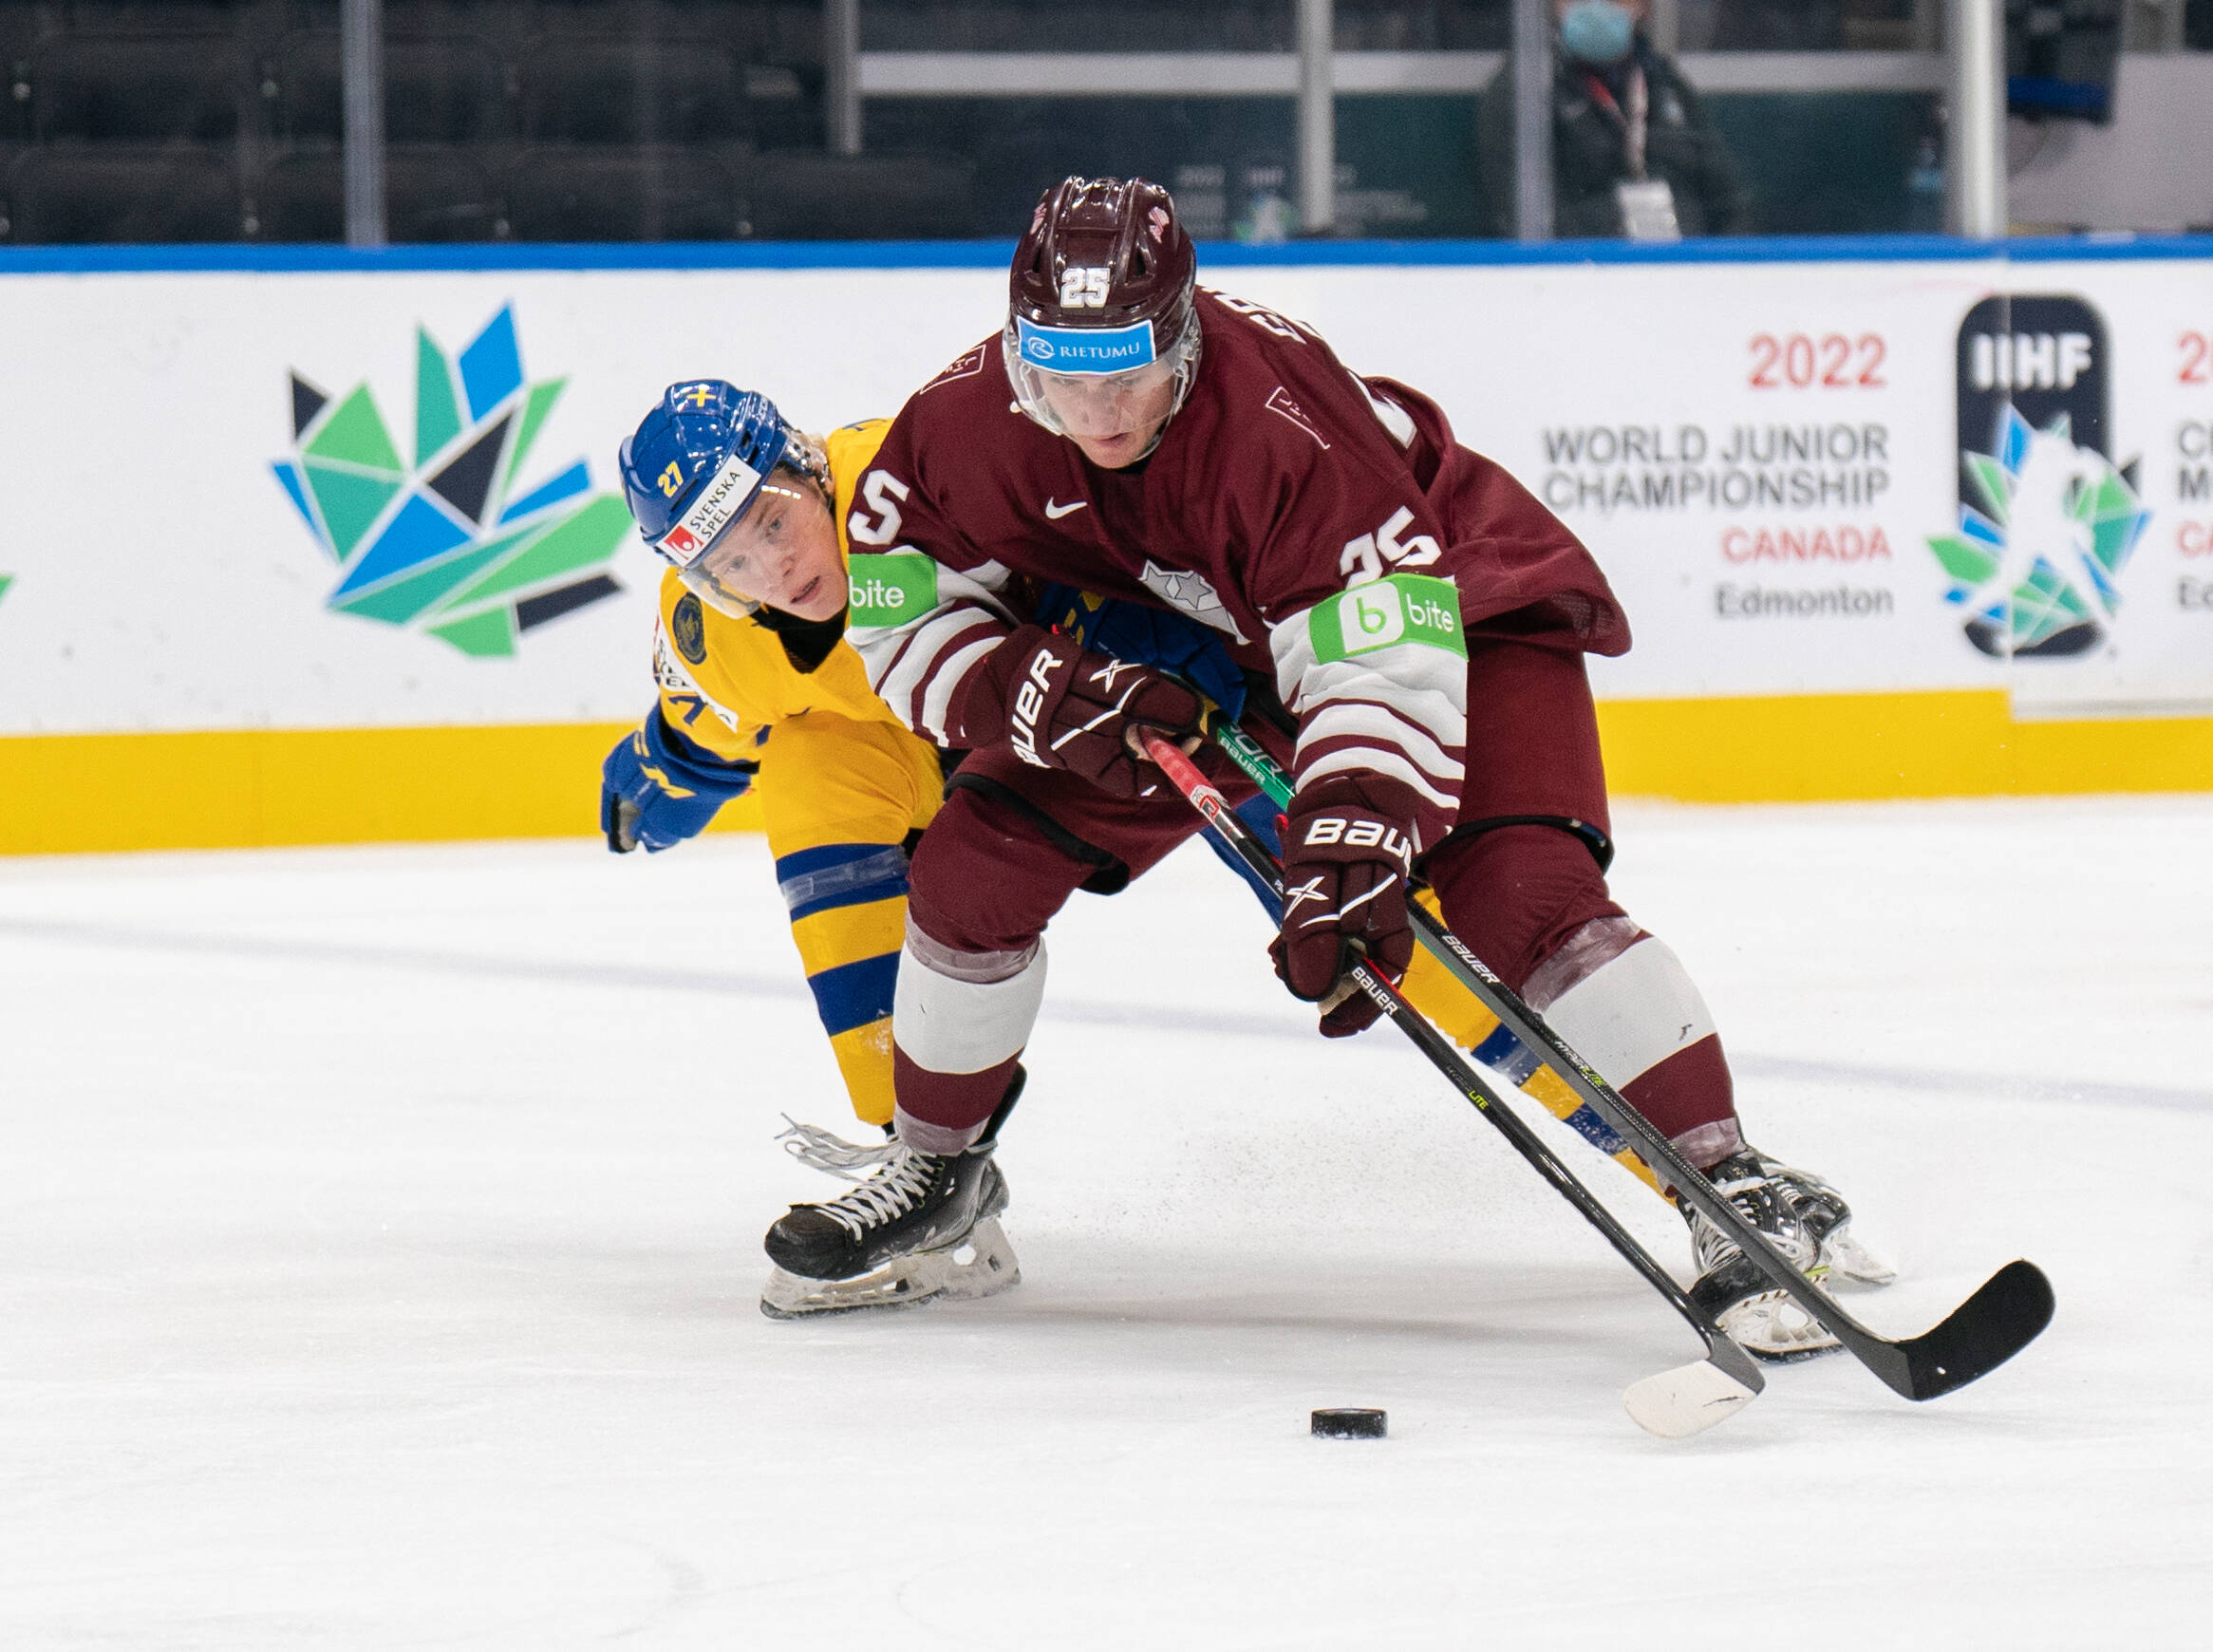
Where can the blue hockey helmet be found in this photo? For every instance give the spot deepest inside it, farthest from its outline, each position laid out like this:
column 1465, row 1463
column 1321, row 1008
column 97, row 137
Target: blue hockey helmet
column 697, row 462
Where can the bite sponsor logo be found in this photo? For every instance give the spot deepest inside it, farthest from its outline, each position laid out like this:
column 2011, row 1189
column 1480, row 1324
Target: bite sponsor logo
column 1411, row 608
column 890, row 589
column 459, row 544
column 2046, row 521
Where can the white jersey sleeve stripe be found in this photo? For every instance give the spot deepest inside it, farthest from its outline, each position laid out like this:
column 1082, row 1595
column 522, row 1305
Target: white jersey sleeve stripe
column 946, row 680
column 1374, row 760
column 1377, row 726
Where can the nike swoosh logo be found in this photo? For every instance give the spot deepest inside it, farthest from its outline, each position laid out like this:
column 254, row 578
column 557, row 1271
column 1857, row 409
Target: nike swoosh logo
column 1056, row 511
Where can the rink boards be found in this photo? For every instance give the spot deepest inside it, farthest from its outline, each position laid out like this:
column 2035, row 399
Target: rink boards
column 303, row 546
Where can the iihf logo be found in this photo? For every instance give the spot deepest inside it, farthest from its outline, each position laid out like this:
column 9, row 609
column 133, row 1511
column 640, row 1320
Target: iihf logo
column 2046, row 520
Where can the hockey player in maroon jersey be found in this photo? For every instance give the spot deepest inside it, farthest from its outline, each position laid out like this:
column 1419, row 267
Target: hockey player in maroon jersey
column 1423, row 620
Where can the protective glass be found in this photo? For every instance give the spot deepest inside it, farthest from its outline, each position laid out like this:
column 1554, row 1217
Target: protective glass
column 757, row 539
column 1092, row 403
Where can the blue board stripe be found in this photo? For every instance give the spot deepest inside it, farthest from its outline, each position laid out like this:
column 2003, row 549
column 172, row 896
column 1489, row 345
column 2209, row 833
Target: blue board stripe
column 155, row 260
column 855, row 994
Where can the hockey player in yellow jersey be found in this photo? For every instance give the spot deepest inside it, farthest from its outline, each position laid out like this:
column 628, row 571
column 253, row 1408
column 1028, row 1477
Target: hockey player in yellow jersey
column 755, row 679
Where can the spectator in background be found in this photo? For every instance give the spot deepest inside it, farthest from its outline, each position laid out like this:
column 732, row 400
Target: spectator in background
column 1632, row 152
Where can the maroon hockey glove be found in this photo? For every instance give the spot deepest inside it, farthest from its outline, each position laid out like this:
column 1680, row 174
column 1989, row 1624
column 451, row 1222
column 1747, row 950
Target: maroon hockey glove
column 1347, row 851
column 1066, row 707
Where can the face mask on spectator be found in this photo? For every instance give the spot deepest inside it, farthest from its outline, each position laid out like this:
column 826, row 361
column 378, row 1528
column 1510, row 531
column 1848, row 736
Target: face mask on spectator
column 1597, row 31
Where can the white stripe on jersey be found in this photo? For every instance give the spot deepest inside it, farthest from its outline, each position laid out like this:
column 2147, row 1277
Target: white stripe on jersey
column 1414, row 719
column 907, row 664
column 1370, row 760
column 1379, row 727
column 938, row 698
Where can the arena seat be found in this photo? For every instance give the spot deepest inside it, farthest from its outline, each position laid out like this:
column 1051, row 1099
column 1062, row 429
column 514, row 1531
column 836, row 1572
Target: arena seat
column 794, row 197
column 659, row 193
column 586, row 89
column 431, row 193
column 81, row 194
column 784, row 102
column 137, row 88
column 437, row 90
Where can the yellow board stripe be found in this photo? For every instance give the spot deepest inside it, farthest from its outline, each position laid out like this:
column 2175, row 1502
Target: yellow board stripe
column 262, row 787
column 1838, row 747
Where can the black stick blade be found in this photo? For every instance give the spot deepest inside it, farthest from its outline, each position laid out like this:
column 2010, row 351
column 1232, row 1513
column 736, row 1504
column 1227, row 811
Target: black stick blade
column 1990, row 1327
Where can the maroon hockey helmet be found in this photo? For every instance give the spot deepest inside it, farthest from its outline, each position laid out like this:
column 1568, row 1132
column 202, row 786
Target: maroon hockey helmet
column 1100, row 296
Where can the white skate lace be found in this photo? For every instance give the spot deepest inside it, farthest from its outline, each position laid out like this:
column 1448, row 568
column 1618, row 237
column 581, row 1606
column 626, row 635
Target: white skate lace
column 818, row 1149
column 884, row 1197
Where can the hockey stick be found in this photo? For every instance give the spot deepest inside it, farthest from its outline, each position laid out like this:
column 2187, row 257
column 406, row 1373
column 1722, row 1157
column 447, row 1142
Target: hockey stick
column 1671, row 1403
column 1990, row 1327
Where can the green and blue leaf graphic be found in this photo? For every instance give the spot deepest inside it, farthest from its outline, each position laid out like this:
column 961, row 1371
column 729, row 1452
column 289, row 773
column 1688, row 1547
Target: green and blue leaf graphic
column 446, row 545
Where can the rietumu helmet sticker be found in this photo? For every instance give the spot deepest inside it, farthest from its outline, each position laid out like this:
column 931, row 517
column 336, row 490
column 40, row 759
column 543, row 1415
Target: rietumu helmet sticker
column 1085, row 349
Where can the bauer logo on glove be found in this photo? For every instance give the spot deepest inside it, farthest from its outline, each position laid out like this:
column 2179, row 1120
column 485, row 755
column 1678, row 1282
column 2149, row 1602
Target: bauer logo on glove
column 1064, row 706
column 1354, row 833
column 1344, row 893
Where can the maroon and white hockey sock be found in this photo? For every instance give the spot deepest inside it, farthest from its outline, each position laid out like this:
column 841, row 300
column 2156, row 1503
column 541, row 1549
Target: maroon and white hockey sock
column 1623, row 999
column 959, row 1022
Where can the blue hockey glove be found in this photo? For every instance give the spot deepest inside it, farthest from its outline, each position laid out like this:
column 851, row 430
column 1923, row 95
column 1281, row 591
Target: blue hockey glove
column 658, row 788
column 1148, row 637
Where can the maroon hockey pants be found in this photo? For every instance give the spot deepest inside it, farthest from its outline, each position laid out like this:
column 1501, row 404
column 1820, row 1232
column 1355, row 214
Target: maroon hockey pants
column 1527, row 894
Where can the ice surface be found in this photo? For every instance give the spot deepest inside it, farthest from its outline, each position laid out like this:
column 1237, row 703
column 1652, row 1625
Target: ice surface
column 381, row 1250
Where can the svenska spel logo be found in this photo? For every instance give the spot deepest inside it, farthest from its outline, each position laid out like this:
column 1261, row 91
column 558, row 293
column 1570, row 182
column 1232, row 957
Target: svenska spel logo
column 457, row 544
column 2046, row 521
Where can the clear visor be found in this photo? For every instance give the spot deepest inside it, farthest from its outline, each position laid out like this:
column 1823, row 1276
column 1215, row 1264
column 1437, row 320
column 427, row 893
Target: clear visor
column 758, row 541
column 1105, row 404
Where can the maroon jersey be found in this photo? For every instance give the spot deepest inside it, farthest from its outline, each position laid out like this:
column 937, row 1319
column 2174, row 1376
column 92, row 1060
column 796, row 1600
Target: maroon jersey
column 1283, row 489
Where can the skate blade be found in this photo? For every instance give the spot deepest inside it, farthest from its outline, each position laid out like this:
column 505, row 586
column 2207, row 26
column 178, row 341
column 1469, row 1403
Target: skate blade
column 1771, row 1327
column 1687, row 1400
column 1853, row 1261
column 982, row 1265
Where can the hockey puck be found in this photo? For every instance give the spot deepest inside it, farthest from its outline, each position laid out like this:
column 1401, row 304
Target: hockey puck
column 1349, row 1422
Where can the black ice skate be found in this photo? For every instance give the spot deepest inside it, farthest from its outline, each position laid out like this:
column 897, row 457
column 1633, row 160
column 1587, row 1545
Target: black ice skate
column 921, row 1226
column 1808, row 1223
